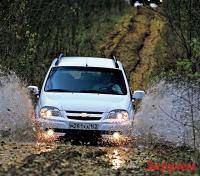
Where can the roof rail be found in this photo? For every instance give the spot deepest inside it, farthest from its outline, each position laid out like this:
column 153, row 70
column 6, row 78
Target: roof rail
column 59, row 59
column 115, row 61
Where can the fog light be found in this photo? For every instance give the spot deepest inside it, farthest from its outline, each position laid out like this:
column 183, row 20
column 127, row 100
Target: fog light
column 50, row 132
column 116, row 136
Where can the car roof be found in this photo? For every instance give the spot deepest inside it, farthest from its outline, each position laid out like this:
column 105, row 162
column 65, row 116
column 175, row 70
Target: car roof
column 87, row 61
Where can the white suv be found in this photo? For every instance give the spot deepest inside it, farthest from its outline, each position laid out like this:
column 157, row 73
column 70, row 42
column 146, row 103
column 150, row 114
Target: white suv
column 84, row 93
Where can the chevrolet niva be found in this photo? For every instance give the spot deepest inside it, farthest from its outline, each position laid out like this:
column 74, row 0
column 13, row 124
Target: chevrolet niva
column 85, row 94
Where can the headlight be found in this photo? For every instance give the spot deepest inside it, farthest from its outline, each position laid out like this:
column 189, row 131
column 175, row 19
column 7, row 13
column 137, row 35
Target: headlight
column 118, row 115
column 48, row 112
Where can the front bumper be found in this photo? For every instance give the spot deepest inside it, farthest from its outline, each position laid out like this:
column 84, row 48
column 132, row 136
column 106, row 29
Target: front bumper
column 104, row 126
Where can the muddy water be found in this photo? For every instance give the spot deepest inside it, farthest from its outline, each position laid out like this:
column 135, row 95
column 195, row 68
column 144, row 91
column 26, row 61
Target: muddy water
column 168, row 112
column 16, row 110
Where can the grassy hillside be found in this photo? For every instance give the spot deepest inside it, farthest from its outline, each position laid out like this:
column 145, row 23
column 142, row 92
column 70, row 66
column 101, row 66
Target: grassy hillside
column 33, row 33
column 133, row 41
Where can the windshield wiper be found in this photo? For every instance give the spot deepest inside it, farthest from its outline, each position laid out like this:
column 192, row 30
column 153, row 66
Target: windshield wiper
column 91, row 91
column 59, row 90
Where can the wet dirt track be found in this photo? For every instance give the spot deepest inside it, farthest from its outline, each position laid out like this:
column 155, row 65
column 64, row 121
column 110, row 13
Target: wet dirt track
column 67, row 159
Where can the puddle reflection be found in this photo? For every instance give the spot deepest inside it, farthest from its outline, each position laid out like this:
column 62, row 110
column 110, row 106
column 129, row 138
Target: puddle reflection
column 44, row 147
column 117, row 157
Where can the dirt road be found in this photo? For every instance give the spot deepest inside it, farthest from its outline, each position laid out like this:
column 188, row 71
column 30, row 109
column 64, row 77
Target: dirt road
column 133, row 43
column 67, row 159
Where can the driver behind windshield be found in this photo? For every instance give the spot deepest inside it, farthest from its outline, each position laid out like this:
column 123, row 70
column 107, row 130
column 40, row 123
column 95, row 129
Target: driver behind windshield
column 108, row 83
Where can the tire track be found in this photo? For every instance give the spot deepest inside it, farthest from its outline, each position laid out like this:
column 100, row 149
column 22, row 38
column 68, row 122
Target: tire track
column 140, row 76
column 135, row 46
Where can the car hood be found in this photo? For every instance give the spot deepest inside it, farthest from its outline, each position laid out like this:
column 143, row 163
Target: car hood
column 85, row 101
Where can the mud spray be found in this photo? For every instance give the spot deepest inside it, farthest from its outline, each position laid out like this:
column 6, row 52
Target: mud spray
column 165, row 113
column 16, row 110
column 170, row 112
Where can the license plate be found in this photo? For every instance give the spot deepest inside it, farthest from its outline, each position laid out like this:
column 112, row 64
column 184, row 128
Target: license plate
column 83, row 126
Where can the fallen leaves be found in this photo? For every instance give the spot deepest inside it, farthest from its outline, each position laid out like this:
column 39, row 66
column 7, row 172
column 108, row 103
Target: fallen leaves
column 67, row 159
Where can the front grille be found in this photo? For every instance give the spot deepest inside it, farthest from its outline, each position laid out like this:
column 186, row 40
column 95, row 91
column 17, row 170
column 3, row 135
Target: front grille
column 83, row 115
column 83, row 118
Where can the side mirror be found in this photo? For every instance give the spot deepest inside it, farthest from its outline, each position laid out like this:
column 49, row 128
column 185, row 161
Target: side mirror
column 34, row 90
column 138, row 95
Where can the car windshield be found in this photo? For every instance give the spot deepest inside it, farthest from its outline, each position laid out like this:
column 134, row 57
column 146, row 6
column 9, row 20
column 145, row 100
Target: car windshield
column 86, row 80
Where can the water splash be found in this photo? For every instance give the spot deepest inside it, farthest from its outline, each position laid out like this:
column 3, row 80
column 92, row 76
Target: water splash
column 166, row 114
column 16, row 110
